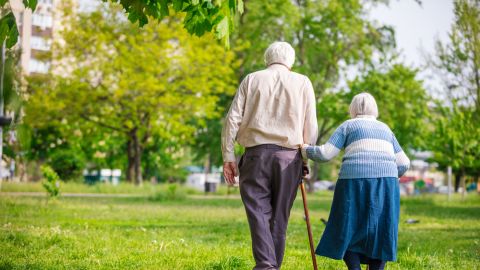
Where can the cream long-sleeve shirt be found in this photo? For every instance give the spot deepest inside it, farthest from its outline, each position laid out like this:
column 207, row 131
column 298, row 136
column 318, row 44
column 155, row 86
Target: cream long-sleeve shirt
column 271, row 106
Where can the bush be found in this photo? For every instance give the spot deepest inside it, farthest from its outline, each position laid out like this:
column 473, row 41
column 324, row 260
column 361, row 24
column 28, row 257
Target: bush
column 51, row 182
column 172, row 193
column 67, row 163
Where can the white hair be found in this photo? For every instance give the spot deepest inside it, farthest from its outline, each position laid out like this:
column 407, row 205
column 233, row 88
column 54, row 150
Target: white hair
column 363, row 104
column 280, row 52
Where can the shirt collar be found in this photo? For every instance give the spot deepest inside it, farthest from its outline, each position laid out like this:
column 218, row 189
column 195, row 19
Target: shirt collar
column 366, row 116
column 278, row 66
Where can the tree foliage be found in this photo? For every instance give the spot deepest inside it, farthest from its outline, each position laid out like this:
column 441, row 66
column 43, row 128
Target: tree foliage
column 458, row 61
column 138, row 88
column 456, row 116
column 200, row 15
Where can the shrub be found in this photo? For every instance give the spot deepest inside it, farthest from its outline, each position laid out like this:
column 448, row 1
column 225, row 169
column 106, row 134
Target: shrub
column 67, row 163
column 172, row 193
column 51, row 183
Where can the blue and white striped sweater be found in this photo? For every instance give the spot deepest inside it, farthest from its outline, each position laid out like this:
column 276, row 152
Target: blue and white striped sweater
column 371, row 150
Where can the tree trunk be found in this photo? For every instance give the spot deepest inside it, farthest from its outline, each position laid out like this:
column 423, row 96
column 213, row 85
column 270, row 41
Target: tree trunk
column 206, row 170
column 130, row 161
column 138, row 161
column 134, row 152
column 458, row 178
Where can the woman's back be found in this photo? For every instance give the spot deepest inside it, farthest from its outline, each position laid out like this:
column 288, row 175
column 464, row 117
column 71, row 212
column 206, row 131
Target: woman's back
column 371, row 149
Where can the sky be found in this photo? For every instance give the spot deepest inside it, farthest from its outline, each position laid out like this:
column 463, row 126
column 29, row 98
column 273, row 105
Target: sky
column 417, row 26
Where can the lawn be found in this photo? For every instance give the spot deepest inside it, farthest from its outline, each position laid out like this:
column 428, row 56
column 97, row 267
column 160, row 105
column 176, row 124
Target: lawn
column 211, row 232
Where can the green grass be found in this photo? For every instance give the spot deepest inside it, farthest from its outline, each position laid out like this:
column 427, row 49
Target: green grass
column 209, row 233
column 122, row 188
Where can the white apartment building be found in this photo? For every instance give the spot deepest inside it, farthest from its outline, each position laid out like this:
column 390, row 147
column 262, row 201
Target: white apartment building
column 38, row 30
column 36, row 35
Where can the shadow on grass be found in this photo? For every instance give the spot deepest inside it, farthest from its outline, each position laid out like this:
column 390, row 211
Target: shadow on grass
column 429, row 208
column 214, row 202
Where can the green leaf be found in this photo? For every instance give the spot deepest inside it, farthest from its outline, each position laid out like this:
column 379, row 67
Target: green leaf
column 177, row 5
column 32, row 4
column 222, row 28
column 2, row 2
column 240, row 6
column 164, row 8
column 232, row 4
column 8, row 30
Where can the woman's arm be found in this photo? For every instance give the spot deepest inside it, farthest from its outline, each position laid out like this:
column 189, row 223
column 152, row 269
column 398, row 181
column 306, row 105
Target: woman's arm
column 403, row 162
column 329, row 150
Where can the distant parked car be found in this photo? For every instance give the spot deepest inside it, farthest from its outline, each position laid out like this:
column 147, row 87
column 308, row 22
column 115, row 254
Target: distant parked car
column 323, row 185
column 443, row 189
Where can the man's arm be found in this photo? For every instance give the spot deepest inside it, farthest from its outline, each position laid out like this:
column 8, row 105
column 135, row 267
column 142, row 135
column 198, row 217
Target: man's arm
column 229, row 132
column 310, row 127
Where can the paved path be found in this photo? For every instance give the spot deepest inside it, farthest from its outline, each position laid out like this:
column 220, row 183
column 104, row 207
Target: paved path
column 106, row 195
column 93, row 195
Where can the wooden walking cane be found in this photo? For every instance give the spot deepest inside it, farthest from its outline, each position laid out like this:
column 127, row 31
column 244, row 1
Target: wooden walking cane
column 309, row 229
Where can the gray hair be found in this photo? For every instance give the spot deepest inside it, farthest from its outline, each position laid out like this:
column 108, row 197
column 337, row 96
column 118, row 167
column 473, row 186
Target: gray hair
column 363, row 104
column 280, row 52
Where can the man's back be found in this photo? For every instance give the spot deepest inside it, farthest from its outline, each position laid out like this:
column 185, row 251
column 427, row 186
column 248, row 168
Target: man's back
column 273, row 106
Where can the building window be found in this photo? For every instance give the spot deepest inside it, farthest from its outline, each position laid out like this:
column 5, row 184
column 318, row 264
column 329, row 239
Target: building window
column 42, row 20
column 36, row 66
column 46, row 2
column 39, row 43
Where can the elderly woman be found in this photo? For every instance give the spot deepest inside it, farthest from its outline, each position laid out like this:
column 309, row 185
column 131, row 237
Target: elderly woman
column 363, row 222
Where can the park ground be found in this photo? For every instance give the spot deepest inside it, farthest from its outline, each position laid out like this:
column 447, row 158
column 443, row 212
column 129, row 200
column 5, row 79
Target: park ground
column 160, row 227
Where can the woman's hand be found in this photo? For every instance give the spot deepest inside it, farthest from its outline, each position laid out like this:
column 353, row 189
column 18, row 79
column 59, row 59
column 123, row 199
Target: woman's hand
column 304, row 151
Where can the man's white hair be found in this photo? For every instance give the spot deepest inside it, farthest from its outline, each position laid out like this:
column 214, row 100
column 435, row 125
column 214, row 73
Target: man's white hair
column 363, row 104
column 280, row 52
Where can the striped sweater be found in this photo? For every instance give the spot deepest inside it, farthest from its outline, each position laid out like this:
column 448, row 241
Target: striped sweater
column 371, row 150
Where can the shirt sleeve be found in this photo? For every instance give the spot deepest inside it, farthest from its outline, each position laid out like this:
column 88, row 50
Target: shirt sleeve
column 403, row 162
column 330, row 149
column 310, row 127
column 232, row 122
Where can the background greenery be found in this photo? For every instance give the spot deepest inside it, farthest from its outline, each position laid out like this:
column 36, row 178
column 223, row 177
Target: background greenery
column 150, row 100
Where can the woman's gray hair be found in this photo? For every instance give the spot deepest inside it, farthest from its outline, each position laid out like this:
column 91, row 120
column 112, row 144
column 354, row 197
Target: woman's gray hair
column 363, row 104
column 280, row 52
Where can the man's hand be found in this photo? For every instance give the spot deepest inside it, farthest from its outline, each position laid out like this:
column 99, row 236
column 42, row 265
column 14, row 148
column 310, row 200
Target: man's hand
column 306, row 170
column 230, row 171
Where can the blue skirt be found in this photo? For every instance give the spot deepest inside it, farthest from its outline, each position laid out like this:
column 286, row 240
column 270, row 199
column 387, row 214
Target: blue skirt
column 363, row 219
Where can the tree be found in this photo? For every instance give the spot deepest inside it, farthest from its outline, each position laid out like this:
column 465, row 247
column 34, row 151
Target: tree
column 139, row 86
column 457, row 62
column 457, row 113
column 455, row 141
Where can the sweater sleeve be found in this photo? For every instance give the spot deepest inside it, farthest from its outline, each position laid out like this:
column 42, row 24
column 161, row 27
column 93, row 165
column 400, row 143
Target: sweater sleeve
column 403, row 162
column 330, row 149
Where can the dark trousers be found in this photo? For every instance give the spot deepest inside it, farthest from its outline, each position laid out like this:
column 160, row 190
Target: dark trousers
column 353, row 260
column 269, row 179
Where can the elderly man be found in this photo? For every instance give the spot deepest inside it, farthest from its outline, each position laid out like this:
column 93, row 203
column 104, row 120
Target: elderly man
column 272, row 114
